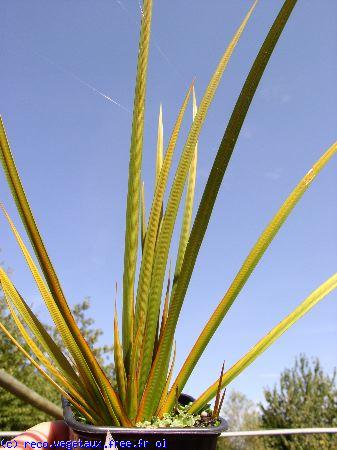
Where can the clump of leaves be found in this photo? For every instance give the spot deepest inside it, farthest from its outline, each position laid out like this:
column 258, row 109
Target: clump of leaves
column 144, row 358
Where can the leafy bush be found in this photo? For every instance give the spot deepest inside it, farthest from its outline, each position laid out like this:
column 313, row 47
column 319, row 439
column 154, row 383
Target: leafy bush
column 305, row 397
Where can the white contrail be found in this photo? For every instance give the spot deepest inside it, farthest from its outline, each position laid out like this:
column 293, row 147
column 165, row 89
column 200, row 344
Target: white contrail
column 85, row 83
column 77, row 78
column 96, row 90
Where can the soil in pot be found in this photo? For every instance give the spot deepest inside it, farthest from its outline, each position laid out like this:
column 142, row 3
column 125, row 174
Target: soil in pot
column 94, row 437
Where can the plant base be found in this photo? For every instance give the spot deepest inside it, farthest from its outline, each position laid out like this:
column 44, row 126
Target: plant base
column 143, row 438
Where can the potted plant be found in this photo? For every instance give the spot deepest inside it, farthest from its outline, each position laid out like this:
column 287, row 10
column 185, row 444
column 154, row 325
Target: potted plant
column 148, row 405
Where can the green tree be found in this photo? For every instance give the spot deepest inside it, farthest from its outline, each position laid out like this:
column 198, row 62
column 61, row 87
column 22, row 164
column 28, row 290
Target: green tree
column 14, row 413
column 305, row 397
column 241, row 414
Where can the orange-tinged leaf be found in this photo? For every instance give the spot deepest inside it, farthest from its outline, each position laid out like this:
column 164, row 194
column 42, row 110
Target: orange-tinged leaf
column 119, row 362
column 316, row 296
column 94, row 420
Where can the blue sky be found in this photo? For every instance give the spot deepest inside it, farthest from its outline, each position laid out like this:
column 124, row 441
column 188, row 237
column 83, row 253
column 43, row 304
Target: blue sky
column 71, row 146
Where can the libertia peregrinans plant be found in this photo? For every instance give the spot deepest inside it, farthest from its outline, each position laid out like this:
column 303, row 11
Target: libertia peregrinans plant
column 144, row 358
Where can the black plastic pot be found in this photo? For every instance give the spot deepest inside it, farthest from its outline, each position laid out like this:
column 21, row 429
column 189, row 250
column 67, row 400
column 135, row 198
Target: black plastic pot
column 143, row 438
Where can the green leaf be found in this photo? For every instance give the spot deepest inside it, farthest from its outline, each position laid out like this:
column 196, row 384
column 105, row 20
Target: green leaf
column 188, row 209
column 134, row 183
column 154, row 225
column 246, row 270
column 132, row 398
column 55, row 288
column 98, row 386
column 167, row 384
column 132, row 384
column 160, row 144
column 37, row 328
column 151, row 398
column 210, row 193
column 322, row 291
column 67, row 376
column 166, row 305
column 75, row 392
column 48, row 378
column 143, row 216
column 119, row 361
column 55, row 313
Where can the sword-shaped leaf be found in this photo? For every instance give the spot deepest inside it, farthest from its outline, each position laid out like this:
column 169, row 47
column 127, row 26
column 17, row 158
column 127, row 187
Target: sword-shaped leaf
column 119, row 361
column 51, row 276
column 188, row 210
column 37, row 328
column 154, row 224
column 132, row 384
column 143, row 216
column 99, row 387
column 150, row 400
column 322, row 291
column 247, row 268
column 166, row 305
column 55, row 314
column 45, row 361
column 167, row 384
column 160, row 157
column 132, row 398
column 155, row 216
column 160, row 144
column 95, row 420
column 134, row 183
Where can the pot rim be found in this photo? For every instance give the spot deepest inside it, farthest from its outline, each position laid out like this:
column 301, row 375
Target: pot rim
column 96, row 429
